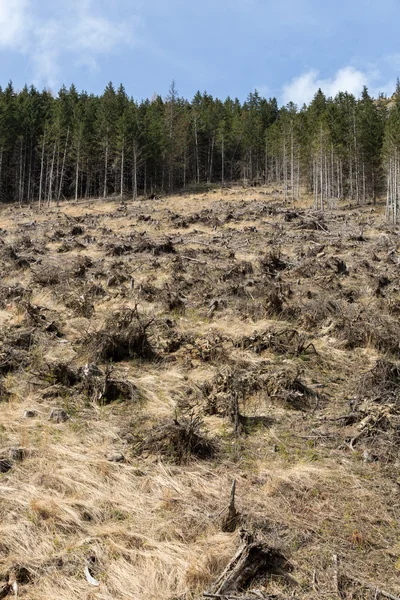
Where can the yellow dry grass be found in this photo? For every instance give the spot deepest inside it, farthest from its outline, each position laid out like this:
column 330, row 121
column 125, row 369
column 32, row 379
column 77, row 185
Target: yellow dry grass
column 155, row 527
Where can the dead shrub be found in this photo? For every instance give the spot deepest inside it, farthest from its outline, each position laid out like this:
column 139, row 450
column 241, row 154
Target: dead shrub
column 21, row 338
column 285, row 385
column 46, row 275
column 223, row 392
column 179, row 441
column 285, row 341
column 272, row 263
column 81, row 305
column 376, row 410
column 61, row 373
column 274, row 300
column 10, row 255
column 240, row 270
column 118, row 249
column 155, row 247
column 360, row 328
column 382, row 381
column 4, row 393
column 123, row 337
column 105, row 388
column 313, row 311
column 12, row 359
column 11, row 293
column 80, row 266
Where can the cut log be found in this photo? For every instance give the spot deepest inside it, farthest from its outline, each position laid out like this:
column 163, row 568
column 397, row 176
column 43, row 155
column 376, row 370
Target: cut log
column 253, row 559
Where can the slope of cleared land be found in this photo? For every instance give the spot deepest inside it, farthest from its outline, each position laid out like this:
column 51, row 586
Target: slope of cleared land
column 154, row 351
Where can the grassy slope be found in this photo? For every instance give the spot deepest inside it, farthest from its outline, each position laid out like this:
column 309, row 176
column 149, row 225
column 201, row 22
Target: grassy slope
column 155, row 526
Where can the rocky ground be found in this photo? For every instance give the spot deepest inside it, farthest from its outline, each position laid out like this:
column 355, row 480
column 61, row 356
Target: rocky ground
column 154, row 352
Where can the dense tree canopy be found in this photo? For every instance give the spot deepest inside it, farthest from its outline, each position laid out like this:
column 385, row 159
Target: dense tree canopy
column 80, row 145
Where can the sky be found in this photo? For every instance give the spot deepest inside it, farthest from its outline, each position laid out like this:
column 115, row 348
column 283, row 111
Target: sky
column 282, row 48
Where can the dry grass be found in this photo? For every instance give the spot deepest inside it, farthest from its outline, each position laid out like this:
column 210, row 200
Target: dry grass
column 244, row 308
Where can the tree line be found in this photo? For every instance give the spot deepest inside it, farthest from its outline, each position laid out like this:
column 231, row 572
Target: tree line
column 77, row 145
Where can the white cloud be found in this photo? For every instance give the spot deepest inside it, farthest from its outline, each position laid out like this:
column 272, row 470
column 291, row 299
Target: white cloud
column 75, row 33
column 303, row 88
column 13, row 14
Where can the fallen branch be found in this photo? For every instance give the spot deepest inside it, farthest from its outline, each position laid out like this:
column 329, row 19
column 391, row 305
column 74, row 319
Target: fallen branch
column 378, row 591
column 251, row 559
column 201, row 262
column 373, row 588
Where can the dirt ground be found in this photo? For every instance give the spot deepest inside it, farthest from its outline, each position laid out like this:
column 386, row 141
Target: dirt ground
column 153, row 352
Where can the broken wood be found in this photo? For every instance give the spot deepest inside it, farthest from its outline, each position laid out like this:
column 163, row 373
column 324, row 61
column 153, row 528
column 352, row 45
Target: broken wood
column 378, row 591
column 336, row 574
column 231, row 520
column 253, row 559
column 201, row 262
column 253, row 596
column 5, row 590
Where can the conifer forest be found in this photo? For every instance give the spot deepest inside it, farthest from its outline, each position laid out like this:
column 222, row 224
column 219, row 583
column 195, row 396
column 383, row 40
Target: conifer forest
column 76, row 145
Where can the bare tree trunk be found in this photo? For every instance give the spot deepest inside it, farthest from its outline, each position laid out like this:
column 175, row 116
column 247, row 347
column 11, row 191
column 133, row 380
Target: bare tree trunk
column 184, row 167
column 211, row 161
column 20, row 176
column 29, row 172
column 321, row 174
column 62, row 167
column 41, row 173
column 49, row 197
column 395, row 184
column 364, row 185
column 223, row 161
column 77, row 172
column 292, row 160
column 105, row 171
column 356, row 160
column 1, row 166
column 197, row 151
column 351, row 180
column 134, row 174
column 284, row 170
column 298, row 176
column 122, row 169
column 88, row 180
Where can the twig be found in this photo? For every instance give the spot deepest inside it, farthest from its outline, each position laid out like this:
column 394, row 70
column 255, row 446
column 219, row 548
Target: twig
column 335, row 574
column 323, row 228
column 201, row 262
column 314, row 581
column 378, row 591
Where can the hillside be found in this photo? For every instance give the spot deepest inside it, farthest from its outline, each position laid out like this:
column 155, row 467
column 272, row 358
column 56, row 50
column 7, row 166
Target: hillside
column 154, row 352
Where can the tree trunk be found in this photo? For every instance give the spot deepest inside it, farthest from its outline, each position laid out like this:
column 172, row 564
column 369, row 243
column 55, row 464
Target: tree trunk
column 77, row 172
column 197, row 151
column 223, row 161
column 49, row 198
column 20, row 176
column 62, row 167
column 41, row 174
column 105, row 171
column 122, row 170
column 134, row 174
column 211, row 161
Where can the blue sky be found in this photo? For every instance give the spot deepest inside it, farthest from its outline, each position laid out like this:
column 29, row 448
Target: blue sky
column 284, row 48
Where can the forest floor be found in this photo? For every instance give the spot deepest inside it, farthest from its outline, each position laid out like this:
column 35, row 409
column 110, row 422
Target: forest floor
column 153, row 352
